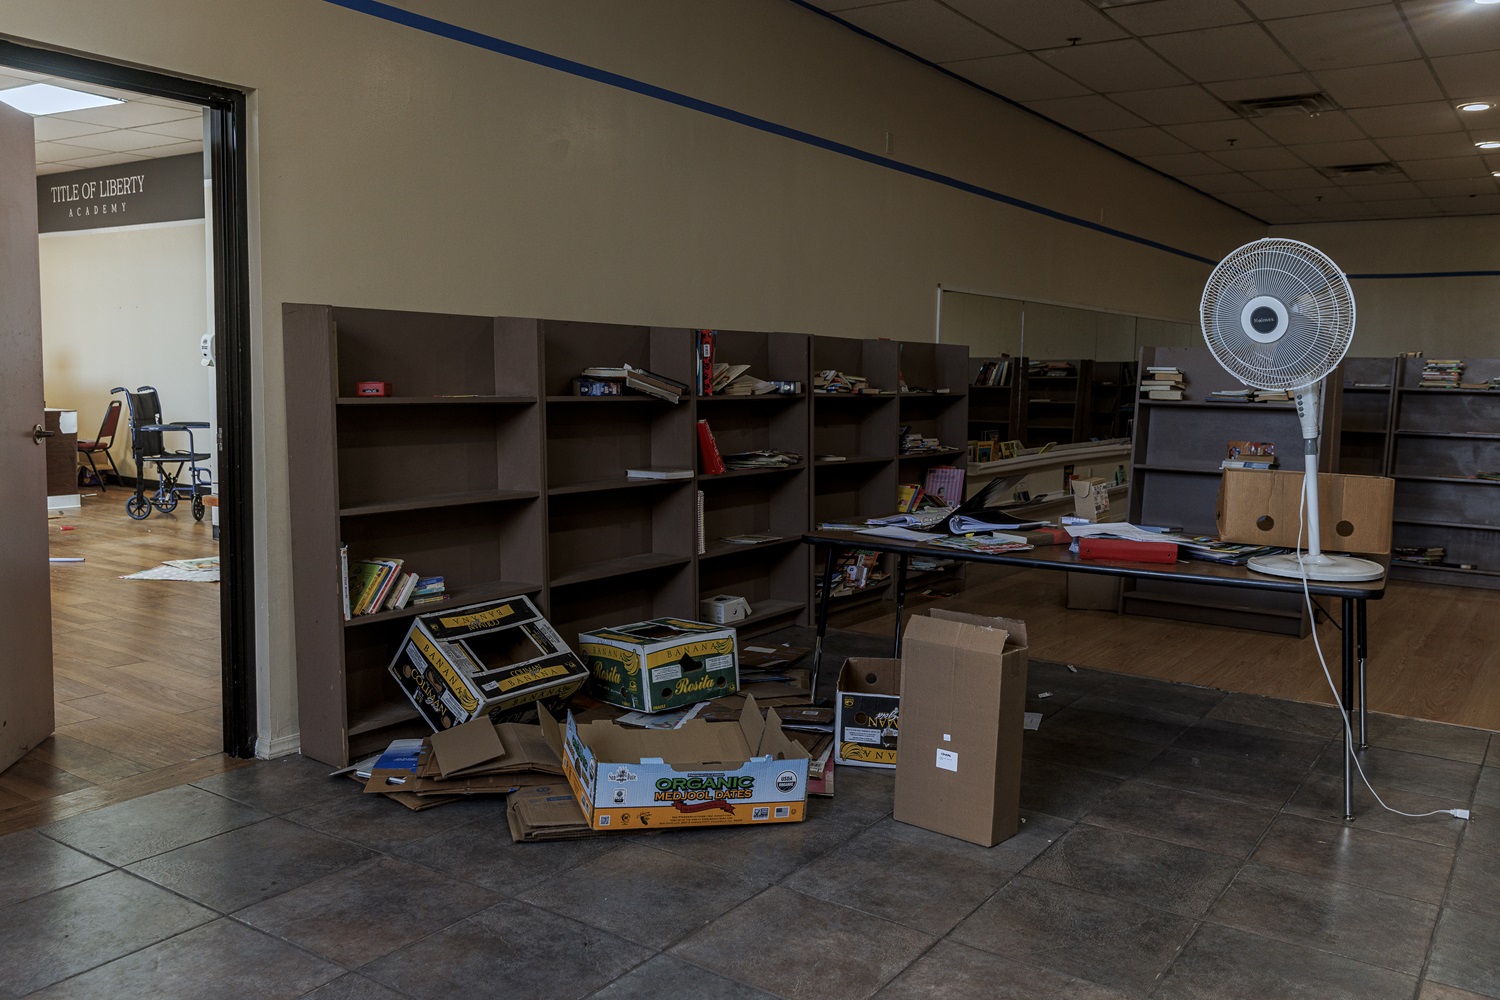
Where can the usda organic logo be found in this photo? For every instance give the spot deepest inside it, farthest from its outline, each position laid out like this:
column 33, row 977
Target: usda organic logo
column 786, row 781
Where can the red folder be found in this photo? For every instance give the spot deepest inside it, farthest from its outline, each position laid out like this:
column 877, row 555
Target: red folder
column 708, row 451
column 1127, row 550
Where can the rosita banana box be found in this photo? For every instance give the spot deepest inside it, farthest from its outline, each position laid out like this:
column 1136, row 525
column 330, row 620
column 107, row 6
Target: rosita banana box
column 496, row 659
column 867, row 707
column 704, row 774
column 661, row 664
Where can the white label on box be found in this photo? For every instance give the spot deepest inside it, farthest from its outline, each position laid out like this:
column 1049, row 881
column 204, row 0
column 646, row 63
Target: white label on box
column 723, row 662
column 670, row 672
column 1032, row 720
column 947, row 738
column 856, row 735
column 453, row 706
column 947, row 760
column 782, row 812
column 760, row 812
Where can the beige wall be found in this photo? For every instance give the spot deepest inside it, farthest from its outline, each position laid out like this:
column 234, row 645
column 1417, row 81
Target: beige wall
column 125, row 307
column 391, row 168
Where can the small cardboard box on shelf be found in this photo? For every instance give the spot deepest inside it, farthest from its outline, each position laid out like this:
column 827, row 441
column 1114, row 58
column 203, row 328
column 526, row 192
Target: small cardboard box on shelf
column 495, row 659
column 963, row 699
column 867, row 703
column 1262, row 506
column 722, row 773
column 664, row 663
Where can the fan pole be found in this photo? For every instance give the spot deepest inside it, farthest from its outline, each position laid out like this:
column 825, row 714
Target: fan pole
column 1308, row 400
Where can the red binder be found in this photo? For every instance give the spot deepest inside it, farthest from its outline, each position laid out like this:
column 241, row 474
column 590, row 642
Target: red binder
column 1127, row 550
column 708, row 451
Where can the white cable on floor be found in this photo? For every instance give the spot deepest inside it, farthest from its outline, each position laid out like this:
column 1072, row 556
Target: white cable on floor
column 1328, row 676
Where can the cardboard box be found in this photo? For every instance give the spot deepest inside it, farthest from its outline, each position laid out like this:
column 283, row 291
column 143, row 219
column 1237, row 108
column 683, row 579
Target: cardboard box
column 1260, row 507
column 963, row 700
column 496, row 659
column 1093, row 592
column 722, row 773
column 660, row 664
column 1090, row 498
column 866, row 719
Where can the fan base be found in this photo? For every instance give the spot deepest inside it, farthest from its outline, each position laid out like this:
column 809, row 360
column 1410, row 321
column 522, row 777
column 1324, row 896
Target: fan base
column 1325, row 568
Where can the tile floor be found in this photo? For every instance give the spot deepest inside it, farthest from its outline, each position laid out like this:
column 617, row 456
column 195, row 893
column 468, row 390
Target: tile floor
column 1179, row 843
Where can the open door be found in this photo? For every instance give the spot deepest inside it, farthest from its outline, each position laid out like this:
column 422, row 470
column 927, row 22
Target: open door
column 25, row 597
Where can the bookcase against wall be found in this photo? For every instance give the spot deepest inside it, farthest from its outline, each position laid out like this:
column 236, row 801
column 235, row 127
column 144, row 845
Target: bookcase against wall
column 854, row 438
column 445, row 473
column 1177, row 448
column 1369, row 399
column 1055, row 407
column 1111, row 401
column 771, row 576
column 993, row 407
column 1442, row 440
column 935, row 405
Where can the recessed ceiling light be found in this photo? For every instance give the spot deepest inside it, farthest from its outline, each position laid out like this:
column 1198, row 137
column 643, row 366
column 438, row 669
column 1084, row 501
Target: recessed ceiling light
column 1487, row 1
column 45, row 99
column 1476, row 106
column 1489, row 143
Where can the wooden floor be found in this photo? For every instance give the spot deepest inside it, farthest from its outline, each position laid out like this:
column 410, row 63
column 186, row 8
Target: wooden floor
column 1434, row 652
column 136, row 667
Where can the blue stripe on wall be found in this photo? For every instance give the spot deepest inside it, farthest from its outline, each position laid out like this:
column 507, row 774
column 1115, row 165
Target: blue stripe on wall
column 465, row 36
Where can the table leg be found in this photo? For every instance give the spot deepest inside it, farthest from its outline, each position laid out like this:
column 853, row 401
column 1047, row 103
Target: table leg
column 1348, row 706
column 900, row 602
column 829, row 564
column 1361, row 610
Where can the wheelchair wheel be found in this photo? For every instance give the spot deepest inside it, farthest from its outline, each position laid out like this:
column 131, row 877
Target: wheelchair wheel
column 198, row 508
column 166, row 504
column 138, row 507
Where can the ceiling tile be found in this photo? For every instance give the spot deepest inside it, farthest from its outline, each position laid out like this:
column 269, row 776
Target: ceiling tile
column 1427, row 147
column 1255, row 201
column 1262, row 86
column 927, row 29
column 1407, row 119
column 49, row 128
column 1445, row 168
column 1111, row 66
column 176, row 149
column 1372, row 86
column 1225, row 183
column 1020, row 77
column 129, row 115
column 1288, row 180
column 1393, row 191
column 1175, row 105
column 1459, row 187
column 1232, row 53
column 187, row 129
column 1408, row 208
column 1328, row 154
column 1466, row 76
column 51, row 168
column 1360, row 37
column 1140, row 141
column 119, row 141
column 1482, row 204
column 1326, row 194
column 104, row 160
column 1330, row 126
column 1090, row 113
column 1291, row 8
column 1265, row 158
column 1235, row 133
column 1164, row 16
column 1185, row 164
column 1040, row 24
column 51, row 152
column 1451, row 27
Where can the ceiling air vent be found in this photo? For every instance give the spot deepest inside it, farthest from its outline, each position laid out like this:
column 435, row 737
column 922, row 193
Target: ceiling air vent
column 1287, row 104
column 1359, row 169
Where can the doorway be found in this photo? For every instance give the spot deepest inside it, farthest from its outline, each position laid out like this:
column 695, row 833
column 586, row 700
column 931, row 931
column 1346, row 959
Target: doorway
column 227, row 318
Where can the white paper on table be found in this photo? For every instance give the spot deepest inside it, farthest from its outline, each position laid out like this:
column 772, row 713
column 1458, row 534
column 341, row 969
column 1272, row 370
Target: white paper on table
column 896, row 531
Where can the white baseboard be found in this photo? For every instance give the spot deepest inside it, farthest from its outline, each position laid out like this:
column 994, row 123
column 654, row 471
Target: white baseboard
column 268, row 749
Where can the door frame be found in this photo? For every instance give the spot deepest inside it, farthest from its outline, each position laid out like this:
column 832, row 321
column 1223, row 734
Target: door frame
column 235, row 401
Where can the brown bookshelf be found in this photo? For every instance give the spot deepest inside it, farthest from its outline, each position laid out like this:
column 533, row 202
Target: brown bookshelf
column 1054, row 408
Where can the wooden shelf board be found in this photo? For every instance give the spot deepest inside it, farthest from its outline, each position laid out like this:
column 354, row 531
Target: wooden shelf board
column 1199, row 404
column 1447, row 479
column 1420, row 568
column 855, row 460
column 765, row 397
column 622, row 566
column 742, row 473
column 868, row 397
column 937, row 453
column 1367, row 388
column 437, row 501
column 458, row 597
column 389, row 714
column 435, row 400
column 1380, row 431
column 767, row 610
column 1451, row 435
column 1446, row 524
column 722, row 550
column 1452, row 392
column 609, row 485
column 623, row 398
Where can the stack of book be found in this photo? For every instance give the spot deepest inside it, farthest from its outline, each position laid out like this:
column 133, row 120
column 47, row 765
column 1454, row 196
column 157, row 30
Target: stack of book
column 916, row 443
column 1429, row 555
column 653, row 384
column 382, row 584
column 1230, row 396
column 428, row 590
column 836, row 381
column 1444, row 373
column 1162, row 382
column 1050, row 369
column 768, row 458
column 1249, row 455
column 993, row 373
column 1271, row 396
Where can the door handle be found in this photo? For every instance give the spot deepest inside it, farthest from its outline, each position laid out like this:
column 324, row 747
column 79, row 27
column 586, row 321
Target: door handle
column 38, row 432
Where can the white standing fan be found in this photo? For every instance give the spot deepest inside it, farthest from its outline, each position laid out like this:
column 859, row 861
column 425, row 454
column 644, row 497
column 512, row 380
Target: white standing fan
column 1279, row 315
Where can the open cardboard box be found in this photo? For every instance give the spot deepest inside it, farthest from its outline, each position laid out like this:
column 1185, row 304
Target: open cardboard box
column 1261, row 507
column 704, row 774
column 867, row 705
column 664, row 663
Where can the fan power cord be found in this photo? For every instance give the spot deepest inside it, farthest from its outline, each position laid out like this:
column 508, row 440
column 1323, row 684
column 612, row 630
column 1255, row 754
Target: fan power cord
column 1328, row 676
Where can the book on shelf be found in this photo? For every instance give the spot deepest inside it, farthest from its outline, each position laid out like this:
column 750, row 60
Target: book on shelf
column 429, row 585
column 590, row 385
column 704, row 363
column 401, row 592
column 946, row 482
column 1442, row 373
column 1249, row 455
column 767, row 458
column 369, row 582
column 749, row 539
column 993, row 373
column 1229, row 396
column 708, row 451
column 1163, row 394
column 654, row 472
column 344, row 577
column 611, row 373
column 698, row 513
column 654, row 384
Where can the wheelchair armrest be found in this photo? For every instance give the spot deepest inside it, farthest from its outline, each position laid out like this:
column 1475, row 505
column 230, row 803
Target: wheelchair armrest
column 192, row 423
column 161, row 427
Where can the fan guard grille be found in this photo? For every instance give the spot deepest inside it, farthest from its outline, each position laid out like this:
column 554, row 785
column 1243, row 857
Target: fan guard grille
column 1317, row 306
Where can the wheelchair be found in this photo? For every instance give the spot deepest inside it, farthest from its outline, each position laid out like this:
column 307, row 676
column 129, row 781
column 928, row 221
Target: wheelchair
column 146, row 432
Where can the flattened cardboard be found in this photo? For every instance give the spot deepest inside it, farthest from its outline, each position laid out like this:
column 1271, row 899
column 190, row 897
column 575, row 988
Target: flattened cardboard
column 546, row 812
column 465, row 746
column 867, row 705
column 704, row 774
column 661, row 664
column 963, row 697
column 495, row 659
column 1260, row 507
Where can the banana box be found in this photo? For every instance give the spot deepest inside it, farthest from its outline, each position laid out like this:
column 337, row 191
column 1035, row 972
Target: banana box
column 745, row 771
column 661, row 664
column 866, row 715
column 497, row 659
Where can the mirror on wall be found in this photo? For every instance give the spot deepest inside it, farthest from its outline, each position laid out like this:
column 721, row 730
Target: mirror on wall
column 992, row 325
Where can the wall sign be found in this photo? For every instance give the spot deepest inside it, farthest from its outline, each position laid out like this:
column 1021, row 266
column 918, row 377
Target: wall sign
column 127, row 194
